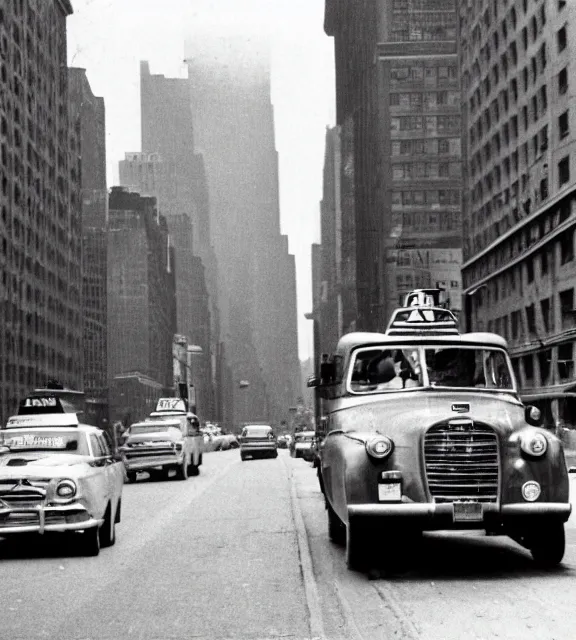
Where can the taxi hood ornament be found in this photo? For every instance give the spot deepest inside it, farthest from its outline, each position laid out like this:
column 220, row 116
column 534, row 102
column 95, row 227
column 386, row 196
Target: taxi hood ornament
column 461, row 407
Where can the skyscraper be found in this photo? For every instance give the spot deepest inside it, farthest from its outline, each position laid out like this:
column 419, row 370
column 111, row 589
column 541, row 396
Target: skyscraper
column 520, row 140
column 87, row 116
column 141, row 300
column 234, row 128
column 40, row 217
column 171, row 170
column 403, row 115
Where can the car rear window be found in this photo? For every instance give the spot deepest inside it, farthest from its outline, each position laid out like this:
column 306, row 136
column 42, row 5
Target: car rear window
column 257, row 432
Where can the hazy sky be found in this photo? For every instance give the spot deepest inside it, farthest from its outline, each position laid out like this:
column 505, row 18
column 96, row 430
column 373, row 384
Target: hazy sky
column 109, row 37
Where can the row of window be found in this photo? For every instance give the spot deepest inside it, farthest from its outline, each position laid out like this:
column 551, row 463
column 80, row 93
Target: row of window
column 432, row 197
column 427, row 222
column 516, row 244
column 419, row 72
column 425, row 100
column 563, row 371
column 427, row 146
column 425, row 123
column 426, row 170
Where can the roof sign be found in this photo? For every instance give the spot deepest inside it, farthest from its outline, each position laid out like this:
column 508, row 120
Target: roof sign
column 420, row 316
column 33, row 405
column 171, row 404
column 43, row 420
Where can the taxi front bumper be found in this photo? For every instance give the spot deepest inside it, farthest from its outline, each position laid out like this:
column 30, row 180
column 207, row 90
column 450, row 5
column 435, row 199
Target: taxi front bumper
column 43, row 519
column 436, row 516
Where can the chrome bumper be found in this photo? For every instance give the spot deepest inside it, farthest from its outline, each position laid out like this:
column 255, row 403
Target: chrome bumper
column 46, row 519
column 149, row 462
column 431, row 515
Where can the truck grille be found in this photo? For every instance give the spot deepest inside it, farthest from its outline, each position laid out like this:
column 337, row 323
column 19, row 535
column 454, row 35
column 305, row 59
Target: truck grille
column 462, row 462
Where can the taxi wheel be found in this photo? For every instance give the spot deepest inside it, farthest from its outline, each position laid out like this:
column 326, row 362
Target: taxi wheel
column 336, row 528
column 108, row 532
column 182, row 471
column 548, row 545
column 90, row 542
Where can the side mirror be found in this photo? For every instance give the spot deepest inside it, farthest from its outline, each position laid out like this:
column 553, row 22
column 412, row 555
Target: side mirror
column 313, row 381
column 533, row 416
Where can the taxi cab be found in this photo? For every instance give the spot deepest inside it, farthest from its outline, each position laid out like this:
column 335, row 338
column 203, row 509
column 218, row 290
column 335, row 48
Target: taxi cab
column 58, row 475
column 423, row 428
column 169, row 439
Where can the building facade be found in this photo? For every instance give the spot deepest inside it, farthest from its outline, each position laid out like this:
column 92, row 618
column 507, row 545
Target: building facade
column 40, row 217
column 403, row 115
column 87, row 116
column 141, row 300
column 171, row 170
column 229, row 81
column 520, row 177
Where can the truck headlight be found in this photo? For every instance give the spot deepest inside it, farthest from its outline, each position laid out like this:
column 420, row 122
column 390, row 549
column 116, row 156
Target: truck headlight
column 534, row 444
column 66, row 489
column 379, row 447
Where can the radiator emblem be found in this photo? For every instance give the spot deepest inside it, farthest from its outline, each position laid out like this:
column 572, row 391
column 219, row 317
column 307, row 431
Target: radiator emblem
column 462, row 407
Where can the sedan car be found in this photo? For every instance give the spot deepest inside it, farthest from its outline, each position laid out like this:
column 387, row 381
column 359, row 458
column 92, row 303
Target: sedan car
column 302, row 446
column 57, row 475
column 424, row 429
column 258, row 441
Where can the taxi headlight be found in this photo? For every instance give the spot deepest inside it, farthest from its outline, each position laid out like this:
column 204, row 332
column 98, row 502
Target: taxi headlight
column 379, row 447
column 531, row 491
column 66, row 489
column 534, row 444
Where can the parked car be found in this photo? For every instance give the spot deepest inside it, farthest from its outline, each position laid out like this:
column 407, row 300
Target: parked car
column 424, row 429
column 58, row 475
column 258, row 441
column 282, row 442
column 302, row 446
column 169, row 439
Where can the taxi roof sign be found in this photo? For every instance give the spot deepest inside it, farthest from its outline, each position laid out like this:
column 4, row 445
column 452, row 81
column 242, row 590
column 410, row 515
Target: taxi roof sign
column 421, row 315
column 43, row 420
column 36, row 404
column 171, row 404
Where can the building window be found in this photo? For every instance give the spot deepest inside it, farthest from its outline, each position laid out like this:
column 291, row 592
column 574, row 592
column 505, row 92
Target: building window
column 567, row 247
column 545, row 308
column 561, row 4
column 563, row 125
column 531, row 319
column 567, row 308
column 564, row 171
column 528, row 370
column 561, row 39
column 544, row 262
column 530, row 271
column 563, row 81
column 565, row 361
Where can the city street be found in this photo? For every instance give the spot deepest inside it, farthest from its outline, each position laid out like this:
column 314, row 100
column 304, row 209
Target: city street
column 242, row 552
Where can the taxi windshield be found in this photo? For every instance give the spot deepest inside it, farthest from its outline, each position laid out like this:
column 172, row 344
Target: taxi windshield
column 380, row 369
column 53, row 440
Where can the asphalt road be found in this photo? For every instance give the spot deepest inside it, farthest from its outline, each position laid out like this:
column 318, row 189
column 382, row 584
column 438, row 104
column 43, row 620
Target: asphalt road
column 242, row 552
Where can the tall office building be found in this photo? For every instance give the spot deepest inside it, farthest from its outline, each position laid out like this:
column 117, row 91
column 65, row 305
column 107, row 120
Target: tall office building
column 40, row 217
column 141, row 305
column 401, row 118
column 171, row 170
column 87, row 117
column 234, row 126
column 519, row 268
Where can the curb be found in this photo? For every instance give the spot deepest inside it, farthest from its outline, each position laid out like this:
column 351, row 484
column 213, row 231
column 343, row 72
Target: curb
column 310, row 588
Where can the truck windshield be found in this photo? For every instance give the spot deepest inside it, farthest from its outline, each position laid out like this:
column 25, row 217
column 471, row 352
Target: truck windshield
column 380, row 369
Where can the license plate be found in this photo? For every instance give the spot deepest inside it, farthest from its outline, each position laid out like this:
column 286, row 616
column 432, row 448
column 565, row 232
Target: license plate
column 389, row 492
column 468, row 512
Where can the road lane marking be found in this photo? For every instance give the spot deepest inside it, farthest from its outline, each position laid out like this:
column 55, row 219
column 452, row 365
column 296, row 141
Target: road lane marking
column 310, row 587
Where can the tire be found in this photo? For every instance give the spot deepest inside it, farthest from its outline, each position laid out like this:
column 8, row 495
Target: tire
column 547, row 545
column 108, row 531
column 336, row 528
column 182, row 471
column 118, row 516
column 132, row 476
column 356, row 545
column 90, row 542
column 242, row 457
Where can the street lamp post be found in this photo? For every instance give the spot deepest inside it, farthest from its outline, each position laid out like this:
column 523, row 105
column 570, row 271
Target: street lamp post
column 243, row 385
